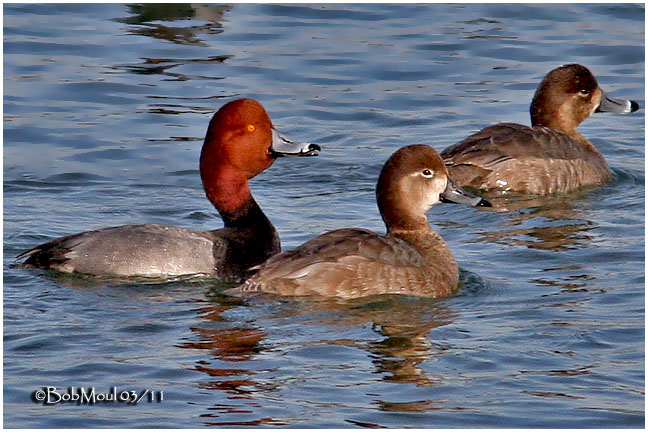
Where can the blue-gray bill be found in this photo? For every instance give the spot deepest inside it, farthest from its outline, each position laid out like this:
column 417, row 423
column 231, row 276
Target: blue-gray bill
column 457, row 195
column 282, row 146
column 619, row 106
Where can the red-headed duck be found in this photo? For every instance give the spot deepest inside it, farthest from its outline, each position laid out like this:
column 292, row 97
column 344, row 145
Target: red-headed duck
column 241, row 142
column 410, row 259
column 550, row 156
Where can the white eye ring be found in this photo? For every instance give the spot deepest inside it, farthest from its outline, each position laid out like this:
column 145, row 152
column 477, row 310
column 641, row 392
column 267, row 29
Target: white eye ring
column 427, row 173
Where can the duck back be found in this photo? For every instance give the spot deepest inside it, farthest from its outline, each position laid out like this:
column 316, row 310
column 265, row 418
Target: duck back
column 353, row 262
column 513, row 157
column 149, row 250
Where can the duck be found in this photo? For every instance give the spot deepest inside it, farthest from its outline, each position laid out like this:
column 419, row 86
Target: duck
column 410, row 259
column 240, row 143
column 548, row 157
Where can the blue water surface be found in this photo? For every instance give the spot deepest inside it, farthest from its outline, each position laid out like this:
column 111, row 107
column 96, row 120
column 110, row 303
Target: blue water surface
column 105, row 109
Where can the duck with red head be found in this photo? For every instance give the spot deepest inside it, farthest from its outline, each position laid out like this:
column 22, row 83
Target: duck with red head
column 241, row 142
column 548, row 157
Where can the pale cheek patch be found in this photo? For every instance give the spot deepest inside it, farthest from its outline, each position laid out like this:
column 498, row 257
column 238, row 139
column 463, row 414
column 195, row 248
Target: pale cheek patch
column 423, row 193
column 597, row 98
column 438, row 186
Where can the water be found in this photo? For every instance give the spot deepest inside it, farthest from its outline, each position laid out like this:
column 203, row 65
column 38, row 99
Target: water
column 105, row 109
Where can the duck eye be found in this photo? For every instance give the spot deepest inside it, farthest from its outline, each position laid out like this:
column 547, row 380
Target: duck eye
column 251, row 128
column 427, row 173
column 584, row 92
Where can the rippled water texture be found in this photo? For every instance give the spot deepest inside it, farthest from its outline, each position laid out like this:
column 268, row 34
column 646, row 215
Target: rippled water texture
column 105, row 109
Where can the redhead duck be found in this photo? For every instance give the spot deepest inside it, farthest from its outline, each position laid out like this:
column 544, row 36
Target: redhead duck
column 410, row 259
column 550, row 156
column 241, row 142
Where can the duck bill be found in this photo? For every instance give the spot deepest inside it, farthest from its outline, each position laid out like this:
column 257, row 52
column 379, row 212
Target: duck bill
column 457, row 195
column 282, row 146
column 619, row 106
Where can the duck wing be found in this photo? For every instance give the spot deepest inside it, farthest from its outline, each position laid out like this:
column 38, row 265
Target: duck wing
column 131, row 250
column 345, row 263
column 510, row 156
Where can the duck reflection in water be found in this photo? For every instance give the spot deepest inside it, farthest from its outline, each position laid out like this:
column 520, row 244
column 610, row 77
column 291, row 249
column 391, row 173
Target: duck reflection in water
column 228, row 348
column 552, row 222
column 242, row 362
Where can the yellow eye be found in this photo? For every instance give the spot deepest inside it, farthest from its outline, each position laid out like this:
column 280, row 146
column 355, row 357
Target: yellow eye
column 251, row 128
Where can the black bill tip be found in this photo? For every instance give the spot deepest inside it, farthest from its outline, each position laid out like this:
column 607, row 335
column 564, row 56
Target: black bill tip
column 484, row 203
column 313, row 149
column 455, row 194
column 307, row 150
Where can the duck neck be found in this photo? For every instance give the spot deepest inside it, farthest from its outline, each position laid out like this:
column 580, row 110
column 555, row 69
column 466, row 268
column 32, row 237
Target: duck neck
column 411, row 225
column 568, row 127
column 426, row 240
column 415, row 230
column 402, row 221
column 560, row 119
column 396, row 211
column 229, row 192
column 573, row 134
column 248, row 215
column 435, row 251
